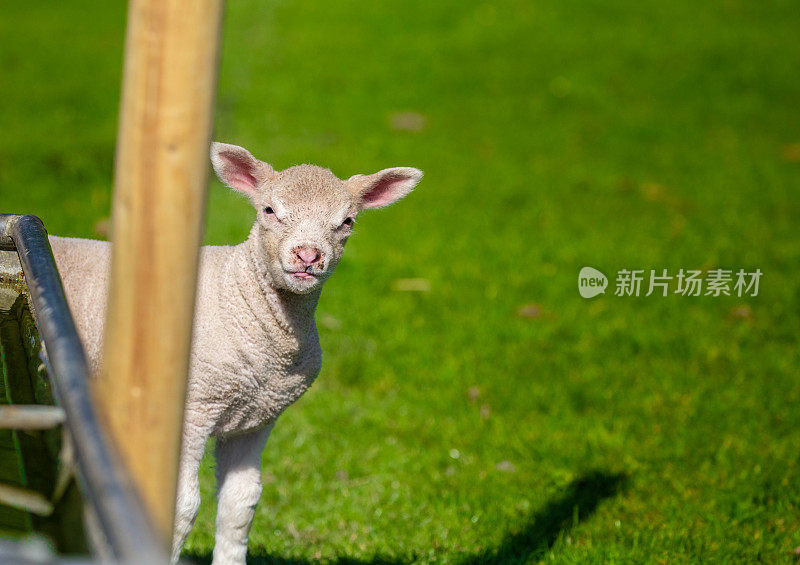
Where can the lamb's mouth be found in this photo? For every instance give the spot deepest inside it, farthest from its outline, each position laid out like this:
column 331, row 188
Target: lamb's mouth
column 302, row 275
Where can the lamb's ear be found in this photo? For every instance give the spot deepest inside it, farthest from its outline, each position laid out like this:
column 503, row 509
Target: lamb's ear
column 384, row 187
column 238, row 169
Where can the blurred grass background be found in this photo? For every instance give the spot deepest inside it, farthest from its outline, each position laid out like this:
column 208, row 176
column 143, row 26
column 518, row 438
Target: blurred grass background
column 497, row 416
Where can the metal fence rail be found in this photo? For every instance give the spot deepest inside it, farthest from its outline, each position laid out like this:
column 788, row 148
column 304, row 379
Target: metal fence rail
column 119, row 527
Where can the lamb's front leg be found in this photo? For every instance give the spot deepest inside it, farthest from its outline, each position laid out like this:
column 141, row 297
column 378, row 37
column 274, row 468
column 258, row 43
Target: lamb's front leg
column 192, row 448
column 238, row 491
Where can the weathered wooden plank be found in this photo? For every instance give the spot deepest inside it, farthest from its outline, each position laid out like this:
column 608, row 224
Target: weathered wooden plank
column 29, row 460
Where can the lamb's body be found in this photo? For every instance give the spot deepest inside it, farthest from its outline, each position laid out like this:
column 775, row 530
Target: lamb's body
column 266, row 338
column 255, row 348
column 254, row 352
column 84, row 268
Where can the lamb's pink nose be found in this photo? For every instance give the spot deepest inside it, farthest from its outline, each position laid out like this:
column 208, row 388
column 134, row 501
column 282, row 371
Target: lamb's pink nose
column 308, row 255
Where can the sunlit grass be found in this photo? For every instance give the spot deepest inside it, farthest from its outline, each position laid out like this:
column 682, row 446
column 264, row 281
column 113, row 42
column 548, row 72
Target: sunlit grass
column 445, row 426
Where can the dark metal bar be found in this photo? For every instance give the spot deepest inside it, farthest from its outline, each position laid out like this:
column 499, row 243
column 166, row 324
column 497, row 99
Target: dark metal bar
column 105, row 482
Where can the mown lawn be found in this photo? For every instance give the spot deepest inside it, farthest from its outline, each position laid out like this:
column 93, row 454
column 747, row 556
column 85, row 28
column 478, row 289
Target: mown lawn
column 497, row 416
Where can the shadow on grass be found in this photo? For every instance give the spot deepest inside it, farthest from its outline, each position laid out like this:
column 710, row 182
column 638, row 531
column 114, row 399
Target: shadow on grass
column 558, row 517
column 576, row 504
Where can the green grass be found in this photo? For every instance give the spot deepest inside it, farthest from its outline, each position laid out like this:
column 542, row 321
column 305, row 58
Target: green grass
column 445, row 427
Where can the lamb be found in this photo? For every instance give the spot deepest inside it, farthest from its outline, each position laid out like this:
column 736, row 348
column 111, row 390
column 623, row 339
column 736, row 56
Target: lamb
column 255, row 348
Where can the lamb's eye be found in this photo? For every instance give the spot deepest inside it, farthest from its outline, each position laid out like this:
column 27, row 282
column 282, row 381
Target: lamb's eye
column 269, row 210
column 348, row 222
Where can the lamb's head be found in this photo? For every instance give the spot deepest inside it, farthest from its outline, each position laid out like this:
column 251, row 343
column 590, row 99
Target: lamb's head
column 305, row 213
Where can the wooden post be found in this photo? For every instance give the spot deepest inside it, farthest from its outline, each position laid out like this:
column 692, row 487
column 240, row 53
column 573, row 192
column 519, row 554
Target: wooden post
column 168, row 90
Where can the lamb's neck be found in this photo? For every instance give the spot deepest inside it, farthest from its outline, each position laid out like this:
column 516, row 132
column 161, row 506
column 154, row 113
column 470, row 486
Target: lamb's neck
column 293, row 313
